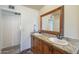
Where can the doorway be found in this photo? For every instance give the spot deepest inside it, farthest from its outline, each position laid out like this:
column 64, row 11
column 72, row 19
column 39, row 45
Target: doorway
column 11, row 32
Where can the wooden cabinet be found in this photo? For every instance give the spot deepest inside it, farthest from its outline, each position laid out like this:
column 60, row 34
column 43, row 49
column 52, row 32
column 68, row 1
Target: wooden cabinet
column 36, row 45
column 41, row 47
column 46, row 49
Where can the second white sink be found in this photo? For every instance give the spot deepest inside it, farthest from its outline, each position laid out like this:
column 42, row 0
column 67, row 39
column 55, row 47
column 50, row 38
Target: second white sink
column 58, row 41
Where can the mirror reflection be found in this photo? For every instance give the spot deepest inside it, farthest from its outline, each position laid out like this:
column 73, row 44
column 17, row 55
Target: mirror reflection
column 51, row 22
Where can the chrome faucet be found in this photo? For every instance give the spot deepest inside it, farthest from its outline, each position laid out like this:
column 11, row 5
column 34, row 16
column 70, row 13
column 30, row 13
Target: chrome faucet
column 60, row 36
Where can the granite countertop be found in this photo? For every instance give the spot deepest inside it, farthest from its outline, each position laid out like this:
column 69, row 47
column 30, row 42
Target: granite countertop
column 72, row 47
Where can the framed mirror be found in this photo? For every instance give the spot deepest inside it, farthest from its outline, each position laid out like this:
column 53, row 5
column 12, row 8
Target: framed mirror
column 53, row 21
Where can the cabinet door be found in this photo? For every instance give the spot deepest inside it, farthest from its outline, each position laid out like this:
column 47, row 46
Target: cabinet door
column 46, row 48
column 33, row 45
column 40, row 46
column 37, row 46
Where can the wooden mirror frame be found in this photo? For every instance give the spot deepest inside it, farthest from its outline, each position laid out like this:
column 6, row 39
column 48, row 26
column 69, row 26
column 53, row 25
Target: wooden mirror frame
column 61, row 21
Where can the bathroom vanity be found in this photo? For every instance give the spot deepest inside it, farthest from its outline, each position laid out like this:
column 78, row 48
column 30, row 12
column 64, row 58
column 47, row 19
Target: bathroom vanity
column 41, row 45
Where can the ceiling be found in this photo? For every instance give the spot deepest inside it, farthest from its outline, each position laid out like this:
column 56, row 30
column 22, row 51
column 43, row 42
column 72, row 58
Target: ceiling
column 37, row 7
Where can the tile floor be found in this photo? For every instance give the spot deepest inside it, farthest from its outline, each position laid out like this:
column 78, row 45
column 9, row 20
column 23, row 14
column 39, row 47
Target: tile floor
column 11, row 50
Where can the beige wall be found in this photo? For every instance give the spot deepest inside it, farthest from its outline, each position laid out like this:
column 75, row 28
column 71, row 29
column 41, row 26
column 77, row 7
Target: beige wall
column 71, row 25
column 28, row 18
column 71, row 19
column 48, row 8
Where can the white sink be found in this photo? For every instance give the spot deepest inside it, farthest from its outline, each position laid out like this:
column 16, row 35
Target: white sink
column 58, row 41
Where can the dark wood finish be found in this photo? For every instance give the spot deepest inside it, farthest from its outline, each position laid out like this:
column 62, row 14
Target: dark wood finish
column 61, row 21
column 40, row 23
column 41, row 47
column 46, row 48
column 34, row 45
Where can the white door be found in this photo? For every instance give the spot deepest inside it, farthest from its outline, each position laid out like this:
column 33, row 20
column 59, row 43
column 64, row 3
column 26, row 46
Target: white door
column 11, row 32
